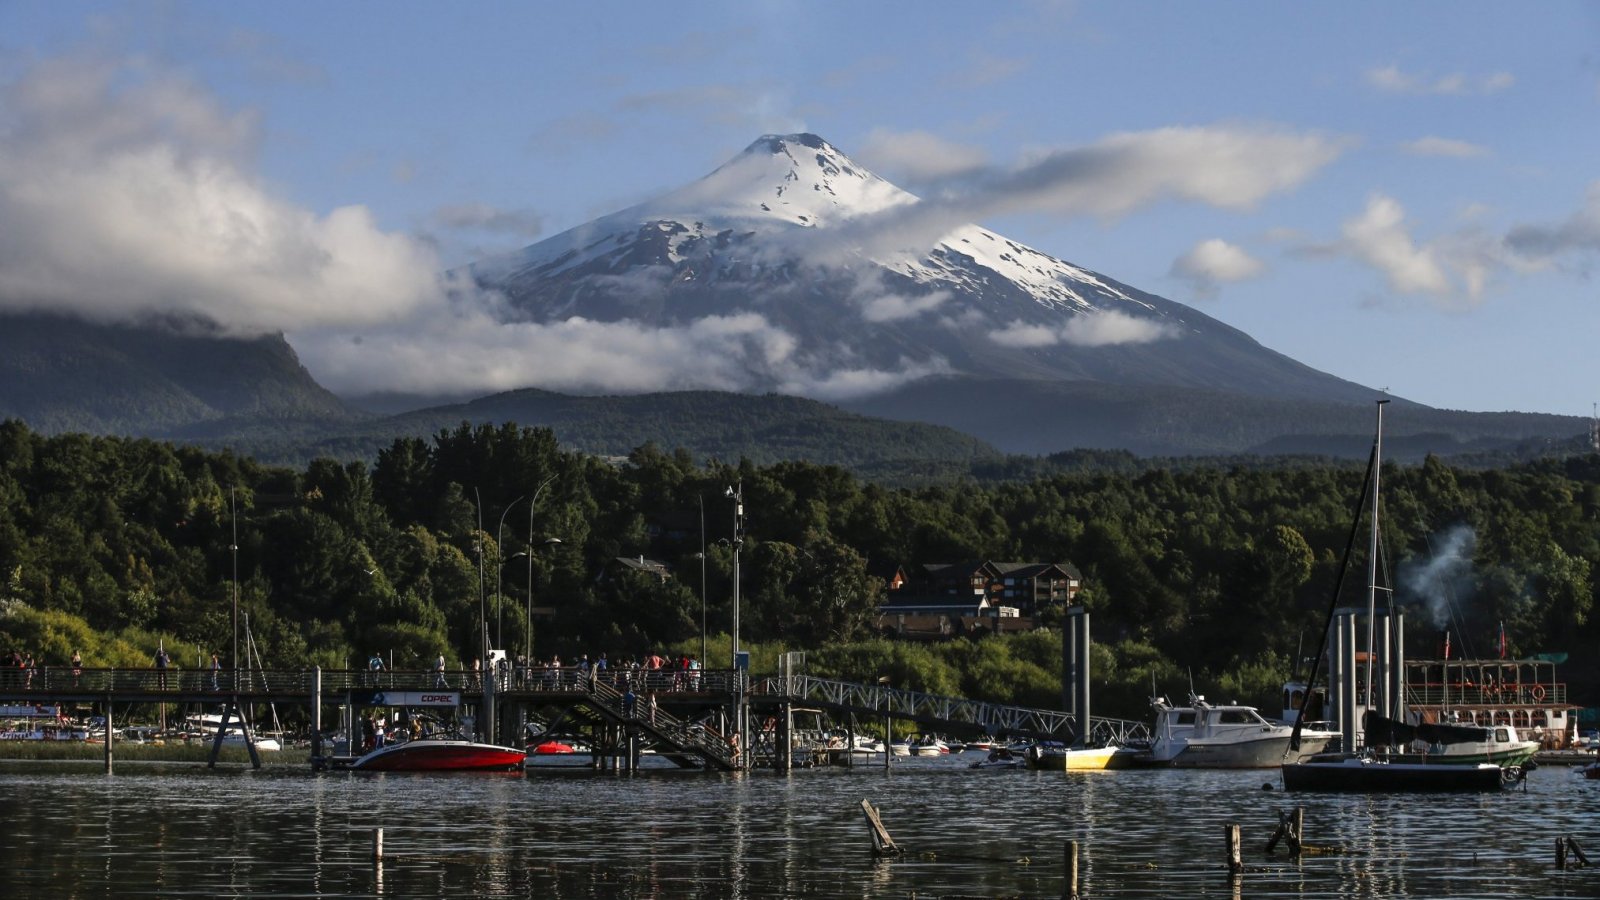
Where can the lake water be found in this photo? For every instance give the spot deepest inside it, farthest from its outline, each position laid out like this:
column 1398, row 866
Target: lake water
column 181, row 830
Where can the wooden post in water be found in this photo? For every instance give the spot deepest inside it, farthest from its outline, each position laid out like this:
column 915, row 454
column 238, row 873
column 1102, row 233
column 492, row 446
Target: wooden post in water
column 1297, row 824
column 110, row 730
column 1070, row 890
column 317, row 761
column 882, row 844
column 1235, row 856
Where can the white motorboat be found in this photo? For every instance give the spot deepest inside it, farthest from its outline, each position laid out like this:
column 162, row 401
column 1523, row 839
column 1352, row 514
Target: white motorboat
column 1205, row 736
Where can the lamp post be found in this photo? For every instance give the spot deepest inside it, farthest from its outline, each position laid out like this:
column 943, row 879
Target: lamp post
column 233, row 507
column 737, row 495
column 527, row 623
column 702, row 500
column 483, row 617
column 499, row 536
column 533, row 505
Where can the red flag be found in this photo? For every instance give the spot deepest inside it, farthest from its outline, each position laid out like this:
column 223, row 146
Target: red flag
column 1502, row 640
column 1447, row 645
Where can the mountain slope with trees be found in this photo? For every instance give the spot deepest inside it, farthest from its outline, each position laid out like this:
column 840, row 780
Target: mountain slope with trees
column 109, row 545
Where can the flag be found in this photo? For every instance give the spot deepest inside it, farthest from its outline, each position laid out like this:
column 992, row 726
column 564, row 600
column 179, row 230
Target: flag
column 1502, row 640
column 1447, row 645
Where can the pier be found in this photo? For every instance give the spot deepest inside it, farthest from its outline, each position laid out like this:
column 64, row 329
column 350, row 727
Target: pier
column 717, row 719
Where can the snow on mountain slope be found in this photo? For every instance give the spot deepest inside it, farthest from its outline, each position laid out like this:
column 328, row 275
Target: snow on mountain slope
column 843, row 271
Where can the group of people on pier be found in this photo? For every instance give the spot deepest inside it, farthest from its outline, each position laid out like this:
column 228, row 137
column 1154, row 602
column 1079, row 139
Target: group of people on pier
column 21, row 670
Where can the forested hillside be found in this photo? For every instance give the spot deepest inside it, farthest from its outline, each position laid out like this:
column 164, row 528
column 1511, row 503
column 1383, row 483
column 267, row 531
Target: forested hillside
column 109, row 545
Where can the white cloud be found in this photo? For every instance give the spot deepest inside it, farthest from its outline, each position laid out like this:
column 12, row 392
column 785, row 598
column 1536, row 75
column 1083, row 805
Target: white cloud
column 1392, row 80
column 1230, row 167
column 915, row 156
column 1453, row 270
column 1091, row 329
column 1438, row 146
column 895, row 307
column 1378, row 237
column 1214, row 262
column 1023, row 335
column 470, row 347
column 125, row 194
column 1578, row 234
column 1112, row 328
column 524, row 223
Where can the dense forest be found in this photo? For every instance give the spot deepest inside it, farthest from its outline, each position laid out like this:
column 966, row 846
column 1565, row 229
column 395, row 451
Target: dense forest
column 1217, row 573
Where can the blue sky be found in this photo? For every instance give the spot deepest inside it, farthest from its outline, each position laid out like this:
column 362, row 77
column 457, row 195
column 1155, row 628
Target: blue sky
column 1426, row 215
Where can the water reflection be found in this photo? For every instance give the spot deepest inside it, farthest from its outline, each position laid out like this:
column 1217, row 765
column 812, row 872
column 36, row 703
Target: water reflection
column 188, row 831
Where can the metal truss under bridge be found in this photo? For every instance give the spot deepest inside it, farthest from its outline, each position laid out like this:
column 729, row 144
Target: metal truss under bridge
column 877, row 700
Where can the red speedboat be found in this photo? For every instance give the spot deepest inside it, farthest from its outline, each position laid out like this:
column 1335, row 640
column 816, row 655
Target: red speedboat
column 553, row 747
column 441, row 755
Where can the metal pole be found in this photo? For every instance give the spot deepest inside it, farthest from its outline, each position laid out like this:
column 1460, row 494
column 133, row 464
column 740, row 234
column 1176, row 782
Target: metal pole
column 737, row 494
column 703, row 657
column 499, row 535
column 527, row 624
column 483, row 617
column 233, row 507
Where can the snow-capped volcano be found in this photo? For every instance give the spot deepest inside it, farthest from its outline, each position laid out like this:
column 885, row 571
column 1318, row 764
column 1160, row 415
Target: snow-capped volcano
column 830, row 281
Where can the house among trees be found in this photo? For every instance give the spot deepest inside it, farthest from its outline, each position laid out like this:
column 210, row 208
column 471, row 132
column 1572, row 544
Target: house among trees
column 625, row 566
column 947, row 599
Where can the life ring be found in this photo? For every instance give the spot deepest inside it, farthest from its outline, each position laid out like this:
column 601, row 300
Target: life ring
column 1537, row 693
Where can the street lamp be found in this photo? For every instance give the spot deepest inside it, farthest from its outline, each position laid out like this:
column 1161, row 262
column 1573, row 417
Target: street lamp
column 737, row 495
column 527, row 624
column 233, row 507
column 499, row 537
column 533, row 505
column 703, row 657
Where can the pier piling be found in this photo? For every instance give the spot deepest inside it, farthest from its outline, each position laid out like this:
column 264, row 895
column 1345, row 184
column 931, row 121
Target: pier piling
column 882, row 844
column 1070, row 890
column 1235, row 855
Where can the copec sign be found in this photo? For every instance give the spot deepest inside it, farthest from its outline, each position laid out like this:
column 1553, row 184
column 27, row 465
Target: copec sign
column 408, row 698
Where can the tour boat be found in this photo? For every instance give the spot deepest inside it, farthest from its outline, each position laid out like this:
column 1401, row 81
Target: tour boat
column 440, row 755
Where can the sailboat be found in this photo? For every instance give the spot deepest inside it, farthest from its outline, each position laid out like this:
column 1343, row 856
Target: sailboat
column 1359, row 767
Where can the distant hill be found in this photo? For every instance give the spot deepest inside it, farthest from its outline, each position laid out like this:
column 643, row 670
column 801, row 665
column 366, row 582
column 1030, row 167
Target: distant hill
column 708, row 424
column 59, row 374
column 1044, row 417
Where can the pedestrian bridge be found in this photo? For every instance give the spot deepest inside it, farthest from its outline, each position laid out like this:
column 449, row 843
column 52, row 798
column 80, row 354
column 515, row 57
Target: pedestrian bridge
column 691, row 714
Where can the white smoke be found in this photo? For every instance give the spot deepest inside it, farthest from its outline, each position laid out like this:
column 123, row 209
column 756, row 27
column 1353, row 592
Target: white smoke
column 1438, row 580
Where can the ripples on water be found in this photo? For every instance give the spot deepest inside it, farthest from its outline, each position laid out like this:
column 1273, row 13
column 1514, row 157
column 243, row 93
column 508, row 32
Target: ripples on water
column 187, row 831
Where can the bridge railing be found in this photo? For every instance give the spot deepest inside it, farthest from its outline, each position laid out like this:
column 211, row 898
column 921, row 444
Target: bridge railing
column 991, row 718
column 45, row 680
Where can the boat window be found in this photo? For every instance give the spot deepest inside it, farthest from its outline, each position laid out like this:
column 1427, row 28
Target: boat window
column 1238, row 717
column 1502, row 736
column 1184, row 717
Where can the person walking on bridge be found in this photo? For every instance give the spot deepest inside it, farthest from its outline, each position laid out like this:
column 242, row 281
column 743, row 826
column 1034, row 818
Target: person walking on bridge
column 161, row 666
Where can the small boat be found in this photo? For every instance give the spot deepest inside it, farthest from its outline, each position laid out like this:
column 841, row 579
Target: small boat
column 441, row 754
column 1001, row 758
column 1061, row 758
column 1447, row 744
column 553, row 748
column 1206, row 736
column 1366, row 774
column 928, row 745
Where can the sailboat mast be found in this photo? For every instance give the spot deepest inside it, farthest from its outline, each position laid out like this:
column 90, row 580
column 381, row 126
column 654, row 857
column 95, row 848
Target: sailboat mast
column 1372, row 563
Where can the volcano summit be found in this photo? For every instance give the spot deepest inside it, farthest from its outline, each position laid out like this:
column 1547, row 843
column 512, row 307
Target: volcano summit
column 830, row 282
